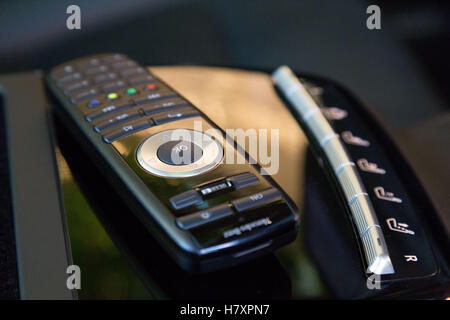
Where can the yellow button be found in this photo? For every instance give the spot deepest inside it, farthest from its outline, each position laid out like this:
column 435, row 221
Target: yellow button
column 112, row 96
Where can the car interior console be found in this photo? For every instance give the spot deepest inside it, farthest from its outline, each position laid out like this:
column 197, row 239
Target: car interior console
column 158, row 193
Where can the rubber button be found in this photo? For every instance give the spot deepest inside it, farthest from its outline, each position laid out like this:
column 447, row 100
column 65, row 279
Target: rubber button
column 102, row 78
column 69, row 79
column 203, row 217
column 151, row 97
column 185, row 199
column 113, row 86
column 176, row 114
column 117, row 119
column 112, row 96
column 76, row 86
column 120, row 105
column 93, row 103
column 95, row 71
column 126, row 130
column 243, row 180
column 257, row 199
column 161, row 106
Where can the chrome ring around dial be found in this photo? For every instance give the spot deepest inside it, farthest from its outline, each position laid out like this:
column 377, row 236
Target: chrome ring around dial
column 146, row 153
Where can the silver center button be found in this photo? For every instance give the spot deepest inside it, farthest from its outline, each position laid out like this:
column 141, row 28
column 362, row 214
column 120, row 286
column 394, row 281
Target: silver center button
column 179, row 153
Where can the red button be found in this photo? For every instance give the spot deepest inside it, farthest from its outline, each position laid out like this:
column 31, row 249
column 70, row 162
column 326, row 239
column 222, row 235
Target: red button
column 150, row 87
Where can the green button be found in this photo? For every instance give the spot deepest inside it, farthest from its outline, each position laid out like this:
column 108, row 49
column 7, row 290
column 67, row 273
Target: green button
column 131, row 91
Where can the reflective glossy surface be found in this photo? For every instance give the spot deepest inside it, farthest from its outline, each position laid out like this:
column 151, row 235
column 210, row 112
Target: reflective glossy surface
column 106, row 273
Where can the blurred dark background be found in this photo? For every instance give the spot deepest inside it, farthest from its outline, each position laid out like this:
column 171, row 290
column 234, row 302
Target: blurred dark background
column 400, row 70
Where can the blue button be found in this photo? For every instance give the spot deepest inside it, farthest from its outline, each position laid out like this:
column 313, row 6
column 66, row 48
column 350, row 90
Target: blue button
column 93, row 103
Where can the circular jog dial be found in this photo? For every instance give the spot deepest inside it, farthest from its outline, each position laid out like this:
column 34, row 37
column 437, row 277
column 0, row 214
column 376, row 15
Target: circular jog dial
column 179, row 153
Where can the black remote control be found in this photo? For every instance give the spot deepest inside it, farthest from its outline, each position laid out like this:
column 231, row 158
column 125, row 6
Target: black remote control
column 145, row 138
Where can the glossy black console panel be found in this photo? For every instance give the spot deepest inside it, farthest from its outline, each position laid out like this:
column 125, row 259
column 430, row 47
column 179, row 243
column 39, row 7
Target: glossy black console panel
column 9, row 282
column 34, row 245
